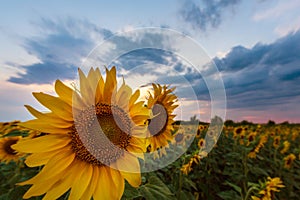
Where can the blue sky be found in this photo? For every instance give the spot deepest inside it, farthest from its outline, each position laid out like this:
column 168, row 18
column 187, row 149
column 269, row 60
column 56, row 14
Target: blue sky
column 255, row 45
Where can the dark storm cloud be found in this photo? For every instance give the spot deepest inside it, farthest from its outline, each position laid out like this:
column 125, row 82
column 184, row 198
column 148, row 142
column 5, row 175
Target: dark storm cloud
column 205, row 13
column 142, row 56
column 282, row 52
column 42, row 73
column 255, row 78
column 263, row 76
column 64, row 43
column 59, row 49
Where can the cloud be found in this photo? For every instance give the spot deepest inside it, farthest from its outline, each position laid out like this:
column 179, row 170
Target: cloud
column 284, row 14
column 277, row 11
column 60, row 48
column 208, row 13
column 63, row 44
column 42, row 73
column 282, row 52
column 13, row 98
column 265, row 76
column 258, row 78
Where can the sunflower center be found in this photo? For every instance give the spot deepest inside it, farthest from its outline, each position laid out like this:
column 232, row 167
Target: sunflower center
column 239, row 130
column 101, row 134
column 289, row 161
column 158, row 123
column 7, row 147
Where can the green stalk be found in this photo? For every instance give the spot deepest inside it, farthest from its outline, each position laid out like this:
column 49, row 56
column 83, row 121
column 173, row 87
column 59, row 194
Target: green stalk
column 180, row 184
column 249, row 192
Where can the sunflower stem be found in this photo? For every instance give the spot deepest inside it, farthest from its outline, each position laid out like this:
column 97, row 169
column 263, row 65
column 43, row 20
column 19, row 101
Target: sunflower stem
column 180, row 184
column 250, row 191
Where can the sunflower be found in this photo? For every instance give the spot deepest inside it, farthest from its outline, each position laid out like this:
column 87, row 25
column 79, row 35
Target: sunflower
column 237, row 131
column 269, row 187
column 8, row 127
column 276, row 142
column 187, row 168
column 200, row 130
column 286, row 147
column 252, row 154
column 8, row 154
column 272, row 185
column 162, row 105
column 251, row 137
column 289, row 160
column 93, row 137
column 201, row 143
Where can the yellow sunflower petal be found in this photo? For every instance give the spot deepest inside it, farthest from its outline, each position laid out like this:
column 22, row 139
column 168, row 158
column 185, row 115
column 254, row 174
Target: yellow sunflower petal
column 93, row 79
column 41, row 187
column 139, row 131
column 42, row 144
column 123, row 96
column 134, row 179
column 64, row 92
column 140, row 119
column 51, row 118
column 100, row 87
column 68, row 95
column 105, row 187
column 44, row 126
column 41, row 158
column 57, row 164
column 110, row 85
column 63, row 185
column 135, row 109
column 93, row 183
column 86, row 91
column 136, row 151
column 81, row 180
column 134, row 98
column 118, row 181
column 138, row 142
column 56, row 105
column 129, row 167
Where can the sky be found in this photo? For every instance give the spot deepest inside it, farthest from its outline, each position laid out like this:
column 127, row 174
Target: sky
column 251, row 48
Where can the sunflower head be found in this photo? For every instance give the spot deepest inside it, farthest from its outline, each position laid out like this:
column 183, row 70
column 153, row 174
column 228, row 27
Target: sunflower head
column 289, row 160
column 251, row 138
column 93, row 138
column 7, row 153
column 201, row 143
column 160, row 125
column 8, row 127
column 276, row 142
column 238, row 131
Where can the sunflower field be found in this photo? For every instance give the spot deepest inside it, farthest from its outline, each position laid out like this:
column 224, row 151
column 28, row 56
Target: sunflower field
column 100, row 141
column 249, row 161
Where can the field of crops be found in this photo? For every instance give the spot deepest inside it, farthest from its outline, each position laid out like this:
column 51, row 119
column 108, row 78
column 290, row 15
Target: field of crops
column 249, row 161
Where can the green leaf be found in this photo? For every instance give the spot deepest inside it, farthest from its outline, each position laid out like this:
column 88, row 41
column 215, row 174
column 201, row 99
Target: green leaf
column 4, row 197
column 259, row 171
column 235, row 187
column 189, row 183
column 228, row 195
column 130, row 192
column 155, row 189
column 251, row 184
column 184, row 195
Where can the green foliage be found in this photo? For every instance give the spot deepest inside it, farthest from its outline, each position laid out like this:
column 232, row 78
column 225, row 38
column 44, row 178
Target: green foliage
column 226, row 173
